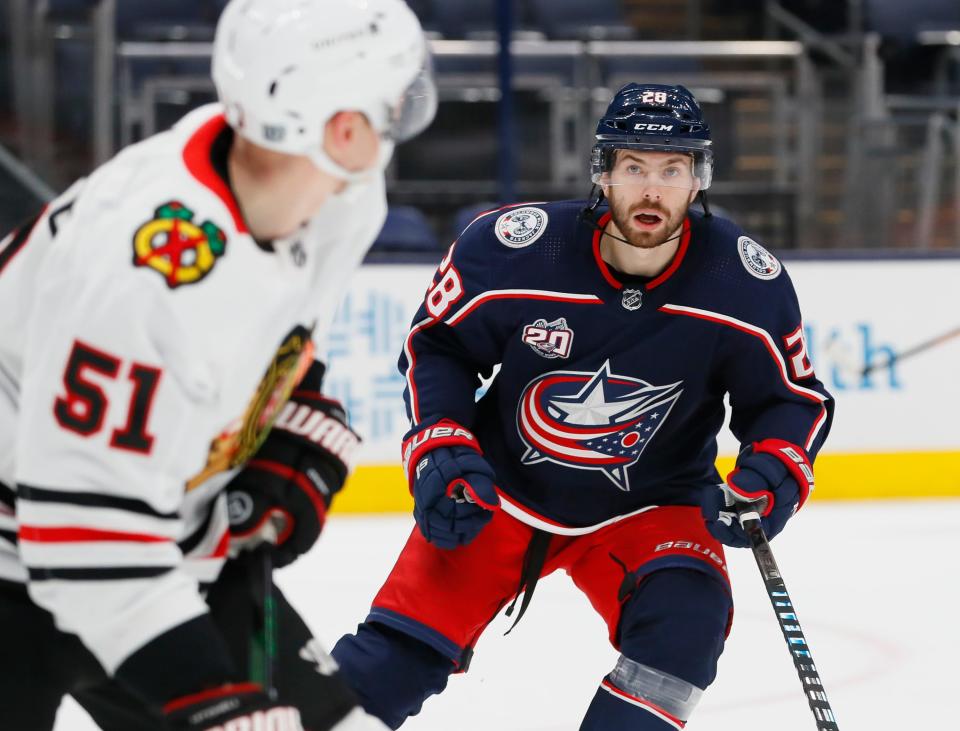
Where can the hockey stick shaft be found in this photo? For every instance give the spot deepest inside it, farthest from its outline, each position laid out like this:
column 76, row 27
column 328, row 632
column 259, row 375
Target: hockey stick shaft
column 787, row 619
column 910, row 352
column 269, row 625
column 263, row 637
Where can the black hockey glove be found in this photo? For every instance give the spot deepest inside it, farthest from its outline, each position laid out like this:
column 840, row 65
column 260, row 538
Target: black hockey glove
column 452, row 484
column 187, row 674
column 240, row 706
column 774, row 475
column 282, row 495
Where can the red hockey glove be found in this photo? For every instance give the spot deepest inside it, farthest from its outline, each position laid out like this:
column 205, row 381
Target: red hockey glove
column 452, row 484
column 283, row 493
column 773, row 475
column 229, row 707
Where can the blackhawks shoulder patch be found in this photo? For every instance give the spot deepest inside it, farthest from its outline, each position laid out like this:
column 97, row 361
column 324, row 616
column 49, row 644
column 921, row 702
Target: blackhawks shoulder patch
column 176, row 247
column 238, row 442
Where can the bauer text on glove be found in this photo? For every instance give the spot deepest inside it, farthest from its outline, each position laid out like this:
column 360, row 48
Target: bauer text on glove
column 773, row 476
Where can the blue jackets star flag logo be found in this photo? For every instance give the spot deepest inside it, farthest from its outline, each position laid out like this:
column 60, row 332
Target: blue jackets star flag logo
column 592, row 421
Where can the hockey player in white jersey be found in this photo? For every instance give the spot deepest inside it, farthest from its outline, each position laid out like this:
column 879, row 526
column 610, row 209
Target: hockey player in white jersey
column 156, row 320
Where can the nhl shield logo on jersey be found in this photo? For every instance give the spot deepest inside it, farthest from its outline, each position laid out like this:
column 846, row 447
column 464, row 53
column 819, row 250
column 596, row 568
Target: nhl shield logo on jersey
column 592, row 421
column 176, row 247
column 757, row 260
column 521, row 227
column 632, row 299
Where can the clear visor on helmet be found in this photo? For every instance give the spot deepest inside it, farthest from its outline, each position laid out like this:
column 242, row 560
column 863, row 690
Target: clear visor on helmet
column 415, row 109
column 687, row 168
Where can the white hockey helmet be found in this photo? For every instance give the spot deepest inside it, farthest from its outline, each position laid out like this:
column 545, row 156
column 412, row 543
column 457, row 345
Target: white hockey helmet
column 283, row 68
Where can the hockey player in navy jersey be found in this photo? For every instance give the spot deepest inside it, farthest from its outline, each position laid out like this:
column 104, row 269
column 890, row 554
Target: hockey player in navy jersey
column 619, row 326
column 160, row 405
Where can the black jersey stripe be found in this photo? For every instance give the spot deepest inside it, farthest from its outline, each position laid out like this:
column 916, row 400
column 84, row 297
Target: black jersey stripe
column 17, row 241
column 54, row 215
column 99, row 573
column 9, row 536
column 91, row 500
column 193, row 540
column 7, row 496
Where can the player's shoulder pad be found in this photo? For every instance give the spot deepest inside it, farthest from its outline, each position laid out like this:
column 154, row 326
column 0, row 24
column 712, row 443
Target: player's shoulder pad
column 730, row 249
column 743, row 278
column 518, row 226
column 161, row 202
column 504, row 241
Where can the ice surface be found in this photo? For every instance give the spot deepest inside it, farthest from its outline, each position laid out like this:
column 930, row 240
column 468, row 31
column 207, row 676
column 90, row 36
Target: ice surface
column 876, row 587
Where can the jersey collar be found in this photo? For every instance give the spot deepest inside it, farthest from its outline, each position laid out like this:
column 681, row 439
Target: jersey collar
column 196, row 156
column 656, row 281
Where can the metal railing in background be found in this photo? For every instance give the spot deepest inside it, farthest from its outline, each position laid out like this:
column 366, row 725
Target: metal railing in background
column 938, row 163
column 893, row 193
column 941, row 131
column 104, row 65
column 31, row 68
column 778, row 17
column 573, row 79
column 26, row 177
column 880, row 154
column 138, row 104
column 33, row 48
column 780, row 71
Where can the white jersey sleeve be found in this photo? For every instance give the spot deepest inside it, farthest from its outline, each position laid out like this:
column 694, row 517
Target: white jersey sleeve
column 108, row 408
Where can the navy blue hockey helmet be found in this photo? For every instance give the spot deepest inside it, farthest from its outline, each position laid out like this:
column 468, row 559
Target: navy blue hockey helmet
column 658, row 118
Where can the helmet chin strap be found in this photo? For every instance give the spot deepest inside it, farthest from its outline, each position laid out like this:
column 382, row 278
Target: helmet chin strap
column 596, row 198
column 354, row 179
column 614, row 236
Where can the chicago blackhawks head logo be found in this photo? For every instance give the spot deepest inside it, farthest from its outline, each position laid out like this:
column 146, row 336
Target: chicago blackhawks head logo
column 592, row 421
column 172, row 244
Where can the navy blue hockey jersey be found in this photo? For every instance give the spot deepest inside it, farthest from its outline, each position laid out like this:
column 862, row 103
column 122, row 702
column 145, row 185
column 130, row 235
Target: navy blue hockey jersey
column 611, row 388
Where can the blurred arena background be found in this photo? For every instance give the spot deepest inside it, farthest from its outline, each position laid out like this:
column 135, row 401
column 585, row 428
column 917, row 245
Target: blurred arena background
column 837, row 130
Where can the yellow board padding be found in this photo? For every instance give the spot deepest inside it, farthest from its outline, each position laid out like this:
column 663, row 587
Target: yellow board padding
column 375, row 489
column 383, row 488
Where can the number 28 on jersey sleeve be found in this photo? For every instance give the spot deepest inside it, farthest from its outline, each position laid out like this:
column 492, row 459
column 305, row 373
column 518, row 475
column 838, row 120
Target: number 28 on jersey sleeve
column 447, row 290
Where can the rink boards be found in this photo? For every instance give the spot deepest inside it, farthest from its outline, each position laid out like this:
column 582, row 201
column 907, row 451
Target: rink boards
column 896, row 432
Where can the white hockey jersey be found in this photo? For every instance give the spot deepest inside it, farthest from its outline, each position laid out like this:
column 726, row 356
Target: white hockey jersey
column 146, row 343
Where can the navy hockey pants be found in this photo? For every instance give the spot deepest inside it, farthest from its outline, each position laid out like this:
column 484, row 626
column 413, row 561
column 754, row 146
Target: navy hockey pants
column 674, row 621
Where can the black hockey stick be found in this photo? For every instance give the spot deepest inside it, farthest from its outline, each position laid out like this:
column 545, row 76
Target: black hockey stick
column 787, row 617
column 910, row 352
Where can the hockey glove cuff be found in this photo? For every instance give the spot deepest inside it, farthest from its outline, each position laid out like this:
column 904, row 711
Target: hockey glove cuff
column 773, row 475
column 228, row 707
column 282, row 495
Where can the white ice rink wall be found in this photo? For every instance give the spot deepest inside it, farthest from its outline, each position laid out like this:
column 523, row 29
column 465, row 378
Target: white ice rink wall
column 896, row 432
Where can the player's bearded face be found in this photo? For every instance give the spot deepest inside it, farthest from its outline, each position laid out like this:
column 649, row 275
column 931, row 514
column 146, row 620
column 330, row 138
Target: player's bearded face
column 650, row 208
